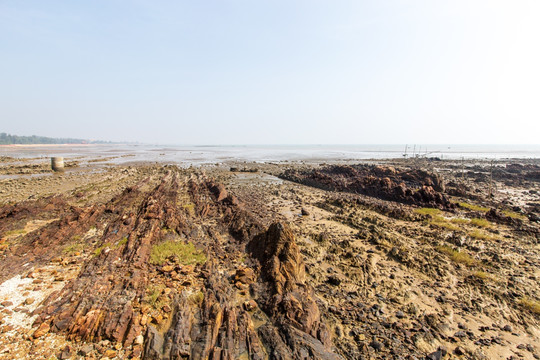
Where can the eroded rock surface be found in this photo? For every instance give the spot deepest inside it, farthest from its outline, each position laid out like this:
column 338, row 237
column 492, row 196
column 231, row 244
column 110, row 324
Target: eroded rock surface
column 411, row 186
column 262, row 268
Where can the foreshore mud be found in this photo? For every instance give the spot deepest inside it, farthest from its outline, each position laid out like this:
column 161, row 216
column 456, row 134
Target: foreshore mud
column 398, row 259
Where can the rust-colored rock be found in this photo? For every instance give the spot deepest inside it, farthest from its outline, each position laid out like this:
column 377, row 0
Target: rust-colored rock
column 196, row 313
column 41, row 330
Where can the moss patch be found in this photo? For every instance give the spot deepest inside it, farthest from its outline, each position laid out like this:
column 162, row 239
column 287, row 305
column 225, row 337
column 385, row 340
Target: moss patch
column 473, row 207
column 480, row 223
column 183, row 253
column 530, row 304
column 442, row 222
column 427, row 211
column 98, row 251
column 514, row 215
column 15, row 232
column 457, row 256
column 477, row 234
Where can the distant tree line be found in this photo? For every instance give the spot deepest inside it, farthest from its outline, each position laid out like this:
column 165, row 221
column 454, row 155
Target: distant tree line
column 7, row 139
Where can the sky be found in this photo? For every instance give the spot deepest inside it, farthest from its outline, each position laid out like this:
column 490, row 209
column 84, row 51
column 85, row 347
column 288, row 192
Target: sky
column 272, row 71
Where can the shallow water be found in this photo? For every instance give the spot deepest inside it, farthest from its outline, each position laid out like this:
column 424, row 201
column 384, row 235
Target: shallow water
column 200, row 155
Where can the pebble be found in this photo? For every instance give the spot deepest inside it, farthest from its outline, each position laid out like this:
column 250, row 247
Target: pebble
column 376, row 345
column 110, row 354
column 507, row 328
column 436, row 355
column 29, row 301
column 459, row 351
column 250, row 305
column 86, row 349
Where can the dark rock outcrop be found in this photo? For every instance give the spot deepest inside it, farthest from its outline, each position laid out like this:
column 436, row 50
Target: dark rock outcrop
column 411, row 186
column 286, row 297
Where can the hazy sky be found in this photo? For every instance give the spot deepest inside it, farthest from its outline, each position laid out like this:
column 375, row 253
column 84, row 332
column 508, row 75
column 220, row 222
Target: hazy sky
column 272, row 72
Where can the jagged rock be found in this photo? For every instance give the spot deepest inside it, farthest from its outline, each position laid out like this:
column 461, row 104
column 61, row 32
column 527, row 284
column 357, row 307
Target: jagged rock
column 382, row 182
column 287, row 298
column 219, row 191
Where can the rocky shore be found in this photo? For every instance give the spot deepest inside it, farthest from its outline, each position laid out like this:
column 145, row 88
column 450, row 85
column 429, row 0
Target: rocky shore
column 401, row 259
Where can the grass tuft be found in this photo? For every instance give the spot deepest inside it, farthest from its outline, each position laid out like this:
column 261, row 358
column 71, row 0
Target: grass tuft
column 153, row 294
column 98, row 251
column 185, row 253
column 427, row 211
column 196, row 298
column 514, row 215
column 530, row 304
column 481, row 223
column 73, row 248
column 442, row 222
column 459, row 221
column 477, row 234
column 473, row 207
column 481, row 275
column 15, row 232
column 456, row 256
column 189, row 208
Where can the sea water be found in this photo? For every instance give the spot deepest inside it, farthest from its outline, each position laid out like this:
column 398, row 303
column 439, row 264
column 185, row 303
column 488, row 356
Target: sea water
column 198, row 155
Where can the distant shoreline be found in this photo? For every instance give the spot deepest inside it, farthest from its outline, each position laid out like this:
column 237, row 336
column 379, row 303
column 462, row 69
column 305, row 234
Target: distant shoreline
column 47, row 145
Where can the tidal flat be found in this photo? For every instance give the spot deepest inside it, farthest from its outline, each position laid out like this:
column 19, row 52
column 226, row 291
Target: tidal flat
column 384, row 259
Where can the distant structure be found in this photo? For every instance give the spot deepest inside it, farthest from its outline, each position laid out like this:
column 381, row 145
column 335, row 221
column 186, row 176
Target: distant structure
column 418, row 154
column 57, row 164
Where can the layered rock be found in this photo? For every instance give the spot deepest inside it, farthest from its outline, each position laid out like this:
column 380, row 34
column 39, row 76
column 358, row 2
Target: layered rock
column 219, row 310
column 286, row 297
column 103, row 302
column 409, row 186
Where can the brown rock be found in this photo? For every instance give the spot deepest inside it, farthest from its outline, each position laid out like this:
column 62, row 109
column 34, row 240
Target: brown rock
column 187, row 269
column 219, row 191
column 289, row 300
column 245, row 275
column 86, row 349
column 167, row 268
column 110, row 354
column 41, row 330
column 250, row 305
